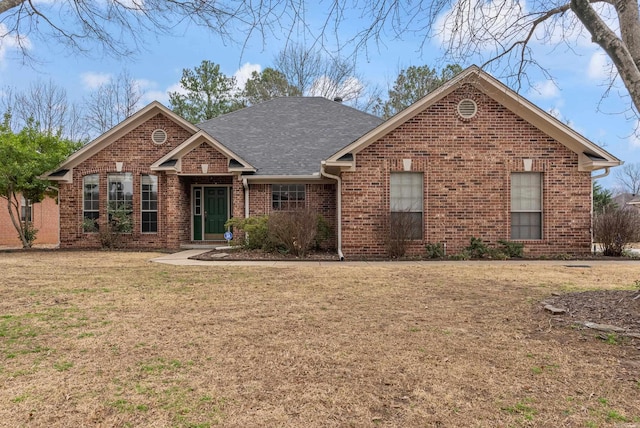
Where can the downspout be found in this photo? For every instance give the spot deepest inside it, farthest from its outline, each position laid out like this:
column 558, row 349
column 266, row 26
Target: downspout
column 593, row 179
column 604, row 174
column 338, row 206
column 245, row 184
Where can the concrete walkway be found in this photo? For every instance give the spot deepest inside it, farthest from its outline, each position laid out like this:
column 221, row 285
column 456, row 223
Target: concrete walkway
column 182, row 259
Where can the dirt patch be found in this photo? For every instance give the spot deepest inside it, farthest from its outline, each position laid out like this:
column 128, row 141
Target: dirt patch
column 618, row 308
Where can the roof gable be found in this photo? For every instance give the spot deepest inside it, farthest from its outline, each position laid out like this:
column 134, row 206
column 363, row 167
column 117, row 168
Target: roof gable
column 172, row 161
column 591, row 156
column 117, row 132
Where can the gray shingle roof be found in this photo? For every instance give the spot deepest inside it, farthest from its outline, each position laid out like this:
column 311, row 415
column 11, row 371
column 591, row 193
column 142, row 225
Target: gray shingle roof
column 290, row 135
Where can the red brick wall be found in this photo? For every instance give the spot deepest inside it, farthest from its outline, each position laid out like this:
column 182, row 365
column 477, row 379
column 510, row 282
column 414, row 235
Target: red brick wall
column 320, row 198
column 204, row 154
column 466, row 166
column 45, row 219
column 138, row 153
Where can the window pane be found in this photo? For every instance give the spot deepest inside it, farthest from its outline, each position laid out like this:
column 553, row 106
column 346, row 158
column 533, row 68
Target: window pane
column 526, row 225
column 526, row 191
column 406, row 191
column 149, row 222
column 91, row 196
column 149, row 203
column 120, row 188
column 406, row 199
column 526, row 205
column 408, row 224
column 288, row 196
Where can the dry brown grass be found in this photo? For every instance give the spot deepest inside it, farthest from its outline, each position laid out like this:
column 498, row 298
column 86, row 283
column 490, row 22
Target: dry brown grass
column 110, row 339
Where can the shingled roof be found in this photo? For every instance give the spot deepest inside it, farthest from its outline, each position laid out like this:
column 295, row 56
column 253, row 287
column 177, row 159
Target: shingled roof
column 290, row 135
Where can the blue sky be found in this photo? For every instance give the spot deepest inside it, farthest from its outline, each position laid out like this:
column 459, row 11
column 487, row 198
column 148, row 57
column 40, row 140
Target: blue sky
column 575, row 96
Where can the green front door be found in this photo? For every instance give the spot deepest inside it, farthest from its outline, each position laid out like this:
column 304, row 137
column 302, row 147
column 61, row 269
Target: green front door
column 216, row 212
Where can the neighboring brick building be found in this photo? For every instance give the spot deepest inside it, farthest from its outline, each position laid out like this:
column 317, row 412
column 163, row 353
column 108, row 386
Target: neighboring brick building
column 44, row 216
column 471, row 159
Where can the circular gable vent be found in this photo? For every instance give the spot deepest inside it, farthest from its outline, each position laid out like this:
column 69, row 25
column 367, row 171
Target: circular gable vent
column 159, row 136
column 467, row 108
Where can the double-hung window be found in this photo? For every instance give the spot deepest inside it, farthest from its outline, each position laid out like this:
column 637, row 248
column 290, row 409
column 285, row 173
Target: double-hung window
column 406, row 196
column 149, row 204
column 526, row 205
column 120, row 199
column 90, row 202
column 288, row 197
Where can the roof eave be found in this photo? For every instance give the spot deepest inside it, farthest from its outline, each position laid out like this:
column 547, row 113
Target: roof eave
column 590, row 165
column 299, row 179
column 65, row 178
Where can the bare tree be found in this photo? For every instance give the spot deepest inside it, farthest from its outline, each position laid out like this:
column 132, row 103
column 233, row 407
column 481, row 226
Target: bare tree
column 316, row 73
column 501, row 32
column 119, row 27
column 48, row 106
column 628, row 178
column 112, row 102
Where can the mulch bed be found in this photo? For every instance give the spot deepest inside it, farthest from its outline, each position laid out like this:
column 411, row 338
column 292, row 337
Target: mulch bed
column 619, row 308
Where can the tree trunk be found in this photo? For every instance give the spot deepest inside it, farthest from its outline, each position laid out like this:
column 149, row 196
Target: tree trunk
column 625, row 57
column 11, row 206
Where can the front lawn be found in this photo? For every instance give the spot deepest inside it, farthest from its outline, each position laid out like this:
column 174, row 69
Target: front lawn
column 110, row 339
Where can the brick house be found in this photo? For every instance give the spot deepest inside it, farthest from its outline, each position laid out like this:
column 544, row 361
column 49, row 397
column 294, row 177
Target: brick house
column 43, row 215
column 472, row 158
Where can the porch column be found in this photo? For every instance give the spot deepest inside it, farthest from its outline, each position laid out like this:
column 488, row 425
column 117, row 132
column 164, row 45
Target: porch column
column 172, row 213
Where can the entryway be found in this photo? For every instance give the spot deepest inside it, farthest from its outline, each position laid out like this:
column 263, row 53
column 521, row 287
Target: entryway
column 211, row 208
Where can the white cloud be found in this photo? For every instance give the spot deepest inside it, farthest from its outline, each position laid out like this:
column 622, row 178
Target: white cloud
column 155, row 95
column 546, row 89
column 599, row 66
column 244, row 73
column 93, row 80
column 9, row 41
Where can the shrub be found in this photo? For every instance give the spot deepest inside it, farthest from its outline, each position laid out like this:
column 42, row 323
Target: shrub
column 255, row 229
column 30, row 232
column 323, row 232
column 111, row 234
column 463, row 255
column 511, row 249
column 434, row 251
column 477, row 249
column 402, row 229
column 616, row 228
column 89, row 225
column 294, row 231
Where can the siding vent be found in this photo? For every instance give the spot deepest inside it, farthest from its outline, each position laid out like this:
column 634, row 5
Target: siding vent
column 467, row 108
column 159, row 136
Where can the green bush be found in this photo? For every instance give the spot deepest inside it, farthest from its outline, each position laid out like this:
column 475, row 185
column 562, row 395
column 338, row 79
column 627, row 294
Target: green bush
column 463, row 255
column 323, row 232
column 434, row 251
column 477, row 249
column 511, row 249
column 30, row 232
column 111, row 234
column 255, row 229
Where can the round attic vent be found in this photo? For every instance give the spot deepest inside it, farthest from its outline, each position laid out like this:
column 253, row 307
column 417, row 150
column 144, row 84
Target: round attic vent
column 159, row 136
column 467, row 108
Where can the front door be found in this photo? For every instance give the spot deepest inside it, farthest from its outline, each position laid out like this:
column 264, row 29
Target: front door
column 211, row 212
column 215, row 212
